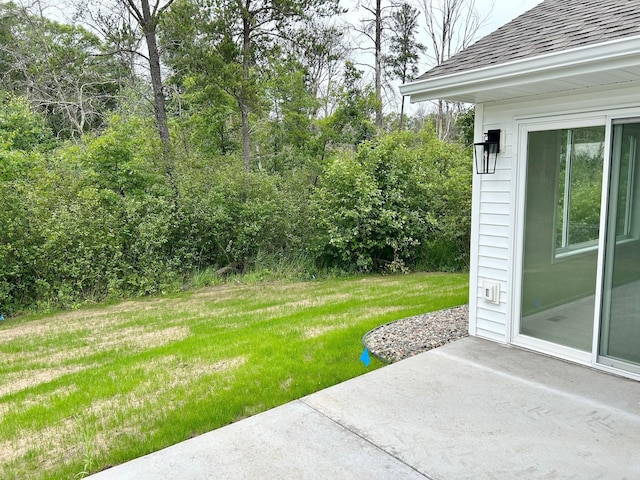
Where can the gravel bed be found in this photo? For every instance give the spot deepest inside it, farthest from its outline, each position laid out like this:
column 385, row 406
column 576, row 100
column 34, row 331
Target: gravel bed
column 410, row 336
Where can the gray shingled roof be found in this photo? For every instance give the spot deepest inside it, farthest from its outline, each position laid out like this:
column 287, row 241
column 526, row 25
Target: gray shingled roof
column 551, row 26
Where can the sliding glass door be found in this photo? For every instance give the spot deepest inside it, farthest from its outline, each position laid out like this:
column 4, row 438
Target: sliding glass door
column 619, row 343
column 581, row 274
column 561, row 235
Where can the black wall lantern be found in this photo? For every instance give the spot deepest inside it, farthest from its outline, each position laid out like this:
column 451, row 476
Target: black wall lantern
column 486, row 152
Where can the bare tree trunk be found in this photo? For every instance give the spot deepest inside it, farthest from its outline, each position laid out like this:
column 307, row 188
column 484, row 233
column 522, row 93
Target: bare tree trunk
column 372, row 28
column 149, row 28
column 378, row 65
column 401, row 121
column 243, row 100
column 246, row 136
column 148, row 21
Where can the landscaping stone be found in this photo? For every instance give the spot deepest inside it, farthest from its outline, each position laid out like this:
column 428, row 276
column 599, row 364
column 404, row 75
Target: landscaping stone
column 407, row 337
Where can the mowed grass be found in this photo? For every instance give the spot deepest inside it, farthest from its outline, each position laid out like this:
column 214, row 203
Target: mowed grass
column 84, row 390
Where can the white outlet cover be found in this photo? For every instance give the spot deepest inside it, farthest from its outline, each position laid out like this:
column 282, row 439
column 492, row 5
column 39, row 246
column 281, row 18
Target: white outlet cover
column 491, row 292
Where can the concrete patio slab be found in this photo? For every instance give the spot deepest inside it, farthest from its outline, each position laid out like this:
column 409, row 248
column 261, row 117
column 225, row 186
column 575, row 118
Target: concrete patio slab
column 291, row 441
column 472, row 409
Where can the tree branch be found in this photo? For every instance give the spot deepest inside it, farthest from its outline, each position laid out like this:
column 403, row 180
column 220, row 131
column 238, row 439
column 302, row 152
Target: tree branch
column 133, row 8
column 120, row 50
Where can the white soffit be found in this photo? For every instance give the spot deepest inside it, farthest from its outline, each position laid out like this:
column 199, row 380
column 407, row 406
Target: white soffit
column 611, row 63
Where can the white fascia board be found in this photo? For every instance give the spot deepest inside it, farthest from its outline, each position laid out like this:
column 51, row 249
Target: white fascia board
column 611, row 55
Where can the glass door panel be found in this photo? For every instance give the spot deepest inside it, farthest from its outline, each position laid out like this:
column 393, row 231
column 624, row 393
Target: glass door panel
column 620, row 327
column 562, row 218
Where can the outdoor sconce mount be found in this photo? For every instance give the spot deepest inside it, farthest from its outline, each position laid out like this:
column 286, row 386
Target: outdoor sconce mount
column 486, row 153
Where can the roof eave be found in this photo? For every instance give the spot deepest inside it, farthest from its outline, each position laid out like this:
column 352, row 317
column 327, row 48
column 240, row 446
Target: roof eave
column 461, row 86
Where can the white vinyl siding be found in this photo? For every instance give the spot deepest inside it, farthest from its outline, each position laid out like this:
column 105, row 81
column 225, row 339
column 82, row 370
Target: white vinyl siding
column 491, row 243
column 494, row 217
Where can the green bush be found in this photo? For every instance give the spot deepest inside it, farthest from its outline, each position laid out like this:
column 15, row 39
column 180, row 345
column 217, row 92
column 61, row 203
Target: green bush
column 86, row 222
column 20, row 127
column 401, row 201
column 234, row 216
column 23, row 138
column 17, row 237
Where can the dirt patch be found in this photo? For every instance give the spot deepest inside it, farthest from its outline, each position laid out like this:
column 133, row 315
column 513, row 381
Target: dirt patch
column 14, row 382
column 183, row 374
column 218, row 293
column 45, row 398
column 379, row 311
column 137, row 337
column 31, row 329
column 314, row 332
column 173, row 374
column 304, row 303
column 134, row 338
column 75, row 437
column 99, row 341
column 228, row 364
column 286, row 384
column 139, row 305
column 49, row 440
column 196, row 311
column 249, row 411
column 104, row 319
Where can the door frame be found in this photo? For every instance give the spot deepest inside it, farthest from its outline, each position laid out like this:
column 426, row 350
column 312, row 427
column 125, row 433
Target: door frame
column 522, row 126
column 604, row 267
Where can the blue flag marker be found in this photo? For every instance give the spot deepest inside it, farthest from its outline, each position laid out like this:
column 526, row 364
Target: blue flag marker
column 1, row 317
column 364, row 357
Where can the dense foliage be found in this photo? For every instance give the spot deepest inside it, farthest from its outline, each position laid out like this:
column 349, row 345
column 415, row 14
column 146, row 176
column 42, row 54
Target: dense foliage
column 402, row 201
column 93, row 205
column 97, row 219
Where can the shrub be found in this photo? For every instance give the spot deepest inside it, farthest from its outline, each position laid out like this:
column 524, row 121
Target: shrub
column 400, row 201
column 232, row 216
column 20, row 127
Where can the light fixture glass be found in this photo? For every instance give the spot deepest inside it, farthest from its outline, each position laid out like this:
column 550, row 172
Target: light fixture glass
column 486, row 153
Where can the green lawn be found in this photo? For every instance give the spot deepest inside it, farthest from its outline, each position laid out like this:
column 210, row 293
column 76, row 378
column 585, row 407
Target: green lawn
column 83, row 390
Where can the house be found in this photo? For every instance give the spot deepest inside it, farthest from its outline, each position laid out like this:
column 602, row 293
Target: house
column 555, row 257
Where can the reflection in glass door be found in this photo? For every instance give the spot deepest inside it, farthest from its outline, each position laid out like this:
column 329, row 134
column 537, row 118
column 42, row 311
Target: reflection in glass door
column 620, row 327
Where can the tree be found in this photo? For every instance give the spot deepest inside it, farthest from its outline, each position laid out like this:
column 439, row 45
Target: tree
column 451, row 25
column 321, row 50
column 289, row 136
column 147, row 17
column 464, row 126
column 239, row 40
column 405, row 50
column 61, row 69
column 112, row 21
column 372, row 29
column 400, row 200
column 351, row 122
column 378, row 62
column 20, row 127
column 124, row 23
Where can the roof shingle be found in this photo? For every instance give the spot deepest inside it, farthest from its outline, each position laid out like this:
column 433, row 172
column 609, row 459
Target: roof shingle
column 552, row 26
